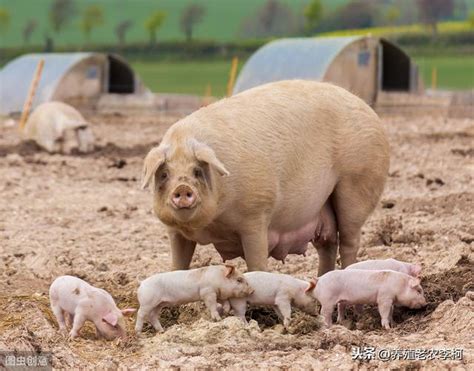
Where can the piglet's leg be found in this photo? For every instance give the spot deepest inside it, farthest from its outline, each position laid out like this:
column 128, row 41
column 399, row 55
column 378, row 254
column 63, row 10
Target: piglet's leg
column 277, row 310
column 240, row 307
column 59, row 314
column 141, row 315
column 79, row 320
column 210, row 299
column 341, row 308
column 385, row 308
column 154, row 318
column 223, row 306
column 326, row 312
column 284, row 306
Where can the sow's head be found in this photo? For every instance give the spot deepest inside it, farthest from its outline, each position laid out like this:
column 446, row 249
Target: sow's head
column 183, row 176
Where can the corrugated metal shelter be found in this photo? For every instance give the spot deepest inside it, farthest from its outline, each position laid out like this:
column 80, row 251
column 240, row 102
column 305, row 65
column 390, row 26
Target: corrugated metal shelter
column 363, row 65
column 76, row 78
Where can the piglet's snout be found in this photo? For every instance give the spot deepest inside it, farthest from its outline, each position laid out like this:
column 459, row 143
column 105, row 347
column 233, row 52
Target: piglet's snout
column 183, row 197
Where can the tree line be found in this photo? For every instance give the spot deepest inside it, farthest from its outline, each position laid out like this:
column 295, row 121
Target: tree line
column 273, row 19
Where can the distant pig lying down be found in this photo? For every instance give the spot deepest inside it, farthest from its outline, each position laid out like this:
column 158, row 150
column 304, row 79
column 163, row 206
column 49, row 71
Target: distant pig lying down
column 279, row 290
column 209, row 284
column 385, row 288
column 76, row 301
column 59, row 127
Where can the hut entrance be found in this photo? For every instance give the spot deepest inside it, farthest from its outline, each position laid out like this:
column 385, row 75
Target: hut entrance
column 395, row 68
column 121, row 80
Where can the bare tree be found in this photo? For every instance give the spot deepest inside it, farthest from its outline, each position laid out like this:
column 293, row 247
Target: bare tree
column 121, row 30
column 272, row 19
column 28, row 29
column 190, row 17
column 61, row 13
column 432, row 11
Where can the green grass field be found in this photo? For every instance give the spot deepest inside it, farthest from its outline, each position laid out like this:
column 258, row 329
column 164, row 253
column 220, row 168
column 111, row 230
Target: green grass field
column 185, row 77
column 221, row 22
column 453, row 72
column 192, row 77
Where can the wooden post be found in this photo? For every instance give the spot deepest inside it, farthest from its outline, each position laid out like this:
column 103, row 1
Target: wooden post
column 232, row 74
column 207, row 95
column 434, row 78
column 31, row 94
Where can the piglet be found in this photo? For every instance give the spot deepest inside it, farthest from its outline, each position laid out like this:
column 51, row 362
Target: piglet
column 76, row 301
column 388, row 264
column 382, row 264
column 209, row 284
column 279, row 290
column 385, row 288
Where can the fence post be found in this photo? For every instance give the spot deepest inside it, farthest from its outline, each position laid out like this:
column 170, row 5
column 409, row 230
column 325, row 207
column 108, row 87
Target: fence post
column 434, row 78
column 232, row 74
column 31, row 94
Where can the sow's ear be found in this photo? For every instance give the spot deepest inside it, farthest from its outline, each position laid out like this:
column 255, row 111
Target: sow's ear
column 153, row 160
column 205, row 154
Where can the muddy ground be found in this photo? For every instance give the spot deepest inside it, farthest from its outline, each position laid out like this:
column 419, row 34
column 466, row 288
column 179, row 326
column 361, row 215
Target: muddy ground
column 86, row 216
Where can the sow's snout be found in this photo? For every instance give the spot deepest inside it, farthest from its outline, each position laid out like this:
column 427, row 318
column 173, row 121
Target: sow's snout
column 184, row 197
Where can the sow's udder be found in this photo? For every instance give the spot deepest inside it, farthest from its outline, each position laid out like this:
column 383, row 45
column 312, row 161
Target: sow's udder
column 321, row 230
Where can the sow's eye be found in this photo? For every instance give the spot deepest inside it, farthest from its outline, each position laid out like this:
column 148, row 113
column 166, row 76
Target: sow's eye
column 197, row 172
column 163, row 176
column 240, row 280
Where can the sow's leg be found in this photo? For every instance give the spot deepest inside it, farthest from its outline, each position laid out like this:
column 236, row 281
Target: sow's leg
column 355, row 197
column 182, row 251
column 325, row 239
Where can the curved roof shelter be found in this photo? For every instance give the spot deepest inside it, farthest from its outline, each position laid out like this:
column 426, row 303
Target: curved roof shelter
column 72, row 77
column 363, row 65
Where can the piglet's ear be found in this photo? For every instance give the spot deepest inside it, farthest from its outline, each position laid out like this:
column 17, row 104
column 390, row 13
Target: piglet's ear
column 110, row 318
column 229, row 270
column 311, row 286
column 414, row 282
column 153, row 160
column 204, row 153
column 415, row 270
column 128, row 311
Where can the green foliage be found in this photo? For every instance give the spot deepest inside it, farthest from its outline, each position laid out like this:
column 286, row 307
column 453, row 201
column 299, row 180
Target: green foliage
column 4, row 20
column 153, row 24
column 313, row 13
column 61, row 13
column 392, row 15
column 443, row 27
column 471, row 19
column 92, row 17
